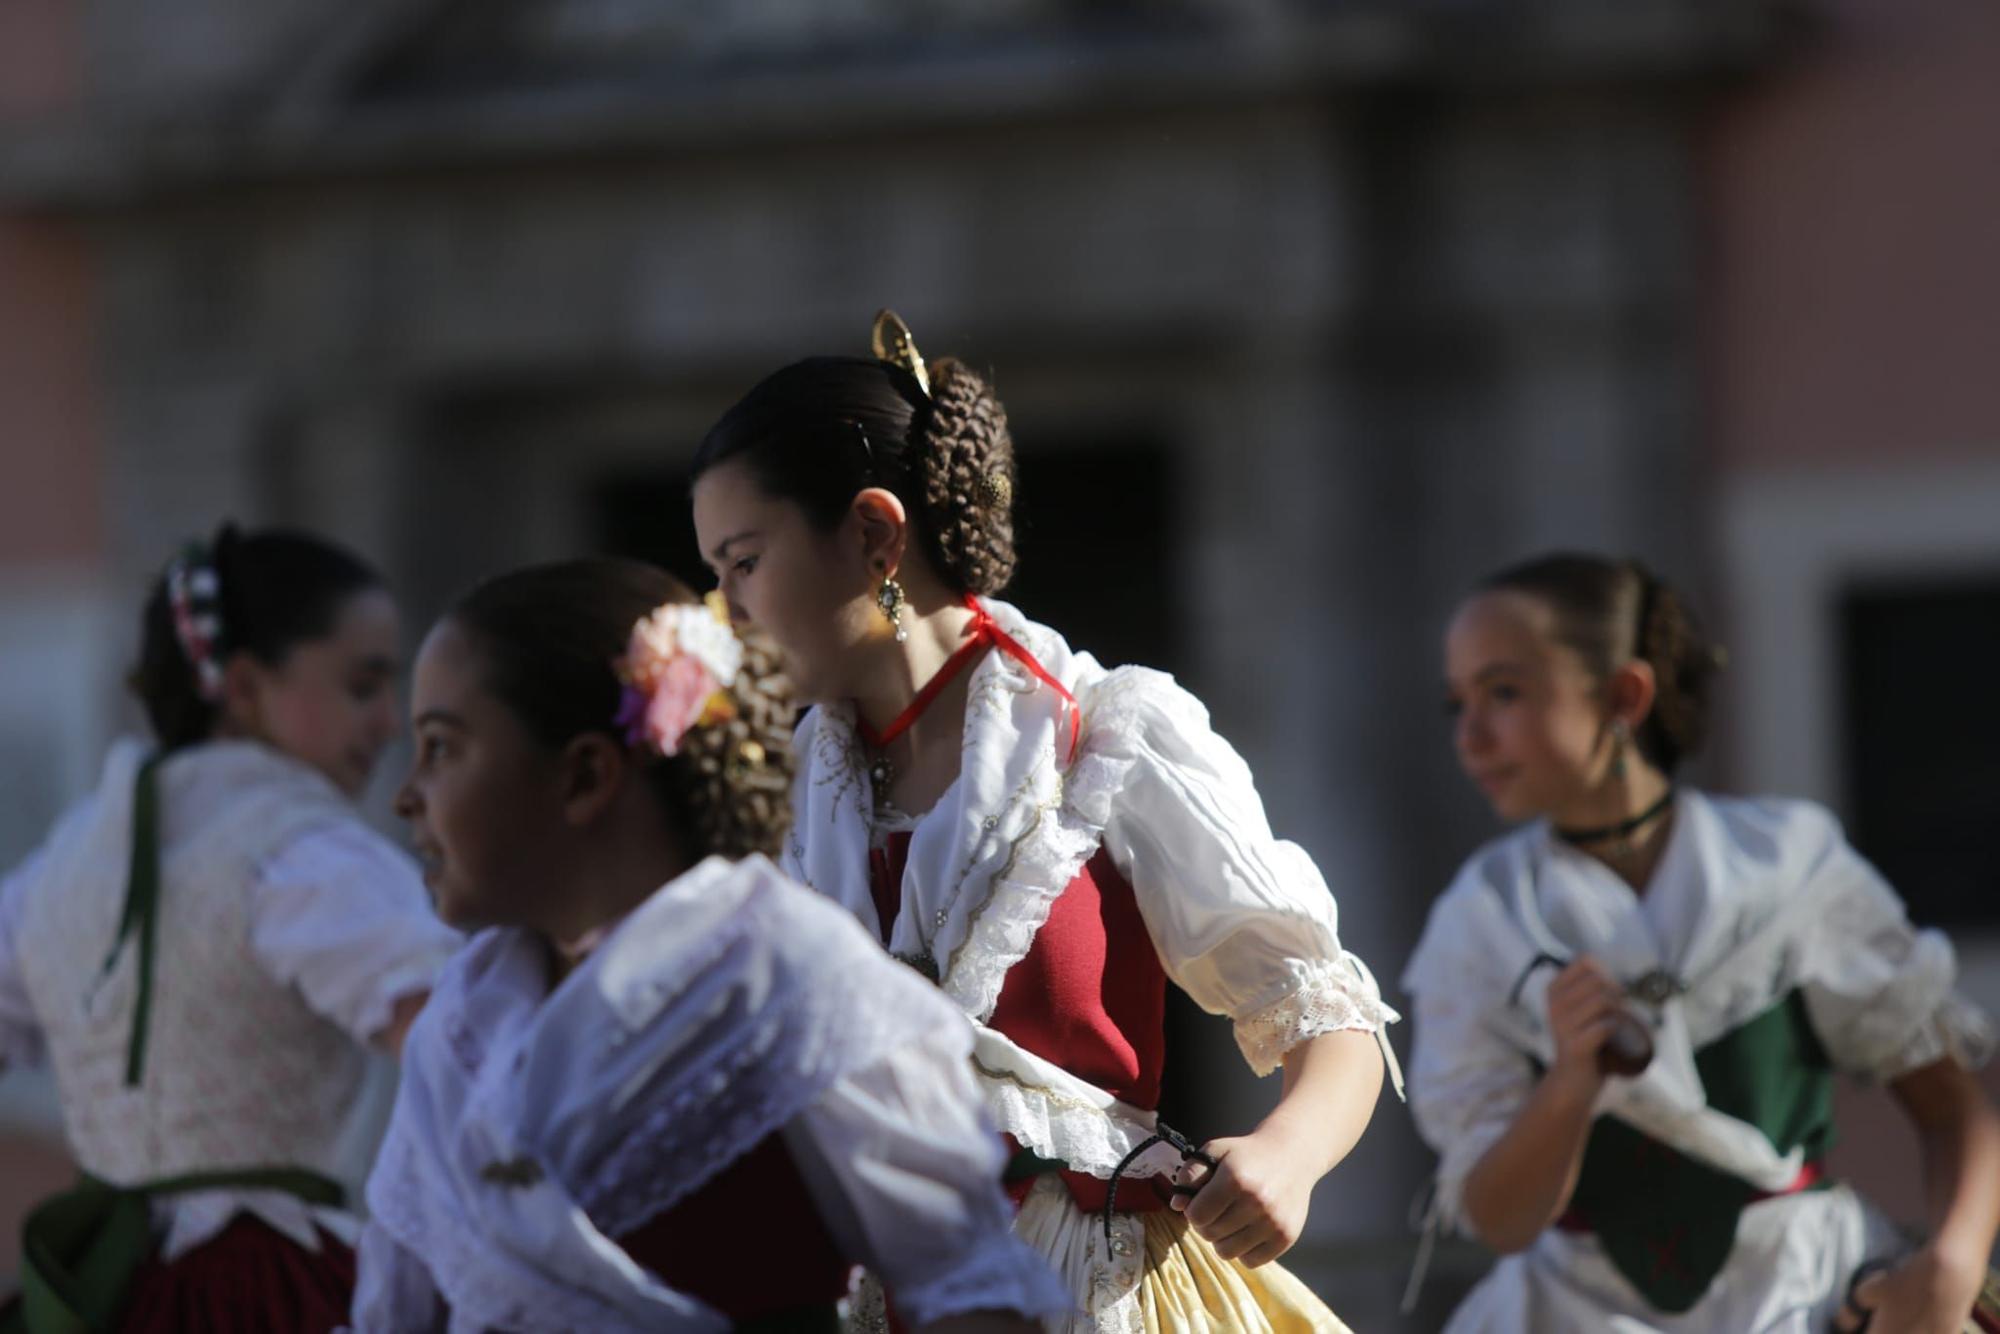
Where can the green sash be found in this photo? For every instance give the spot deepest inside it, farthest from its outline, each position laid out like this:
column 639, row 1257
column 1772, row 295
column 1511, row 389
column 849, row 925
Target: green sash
column 81, row 1249
column 1668, row 1221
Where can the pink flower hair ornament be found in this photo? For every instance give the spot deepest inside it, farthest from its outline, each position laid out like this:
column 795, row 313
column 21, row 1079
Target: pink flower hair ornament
column 676, row 670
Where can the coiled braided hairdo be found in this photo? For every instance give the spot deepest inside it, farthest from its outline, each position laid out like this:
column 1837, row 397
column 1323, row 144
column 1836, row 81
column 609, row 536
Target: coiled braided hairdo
column 821, row 430
column 1612, row 611
column 549, row 636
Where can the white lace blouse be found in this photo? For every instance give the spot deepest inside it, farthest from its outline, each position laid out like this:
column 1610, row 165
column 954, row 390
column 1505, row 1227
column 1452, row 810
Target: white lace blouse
column 1240, row 919
column 288, row 932
column 536, row 1126
column 1751, row 899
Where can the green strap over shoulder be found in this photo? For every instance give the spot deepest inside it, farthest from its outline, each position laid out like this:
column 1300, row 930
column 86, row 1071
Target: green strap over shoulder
column 142, row 908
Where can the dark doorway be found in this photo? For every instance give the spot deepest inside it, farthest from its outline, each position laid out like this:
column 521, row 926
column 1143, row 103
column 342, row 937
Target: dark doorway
column 1923, row 742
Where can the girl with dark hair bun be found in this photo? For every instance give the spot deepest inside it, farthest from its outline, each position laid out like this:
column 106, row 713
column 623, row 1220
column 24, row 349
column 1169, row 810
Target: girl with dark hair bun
column 1629, row 1012
column 664, row 1088
column 1047, row 841
column 206, row 948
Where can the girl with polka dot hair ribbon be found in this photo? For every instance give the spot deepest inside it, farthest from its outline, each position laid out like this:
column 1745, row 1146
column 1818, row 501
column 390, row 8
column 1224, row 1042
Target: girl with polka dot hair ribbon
column 1630, row 1010
column 207, row 948
column 1048, row 841
column 664, row 1087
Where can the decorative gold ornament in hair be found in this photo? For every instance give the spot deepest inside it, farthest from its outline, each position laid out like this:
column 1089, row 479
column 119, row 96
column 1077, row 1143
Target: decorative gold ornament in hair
column 998, row 488
column 894, row 344
column 746, row 757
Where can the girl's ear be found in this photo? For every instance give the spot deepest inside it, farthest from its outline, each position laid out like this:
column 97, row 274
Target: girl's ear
column 591, row 771
column 240, row 711
column 1630, row 693
column 885, row 529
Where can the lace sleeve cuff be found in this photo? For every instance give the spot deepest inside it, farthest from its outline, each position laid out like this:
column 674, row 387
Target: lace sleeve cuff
column 1330, row 996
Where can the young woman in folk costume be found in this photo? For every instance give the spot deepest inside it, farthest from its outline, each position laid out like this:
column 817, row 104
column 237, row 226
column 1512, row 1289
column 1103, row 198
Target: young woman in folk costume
column 666, row 1088
column 1049, row 841
column 1737, row 951
column 205, row 947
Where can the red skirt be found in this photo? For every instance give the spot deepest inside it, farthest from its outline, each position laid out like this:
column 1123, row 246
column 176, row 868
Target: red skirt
column 247, row 1279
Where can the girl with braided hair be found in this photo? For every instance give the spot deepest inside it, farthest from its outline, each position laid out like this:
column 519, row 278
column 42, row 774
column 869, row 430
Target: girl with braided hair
column 664, row 1088
column 1629, row 1012
column 1049, row 842
column 205, row 949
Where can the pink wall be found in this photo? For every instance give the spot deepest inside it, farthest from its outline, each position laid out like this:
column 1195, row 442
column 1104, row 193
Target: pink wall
column 40, row 56
column 50, row 492
column 1854, row 243
column 49, row 459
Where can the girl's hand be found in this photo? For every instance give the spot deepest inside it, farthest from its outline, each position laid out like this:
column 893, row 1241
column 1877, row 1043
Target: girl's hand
column 1928, row 1293
column 1252, row 1204
column 1585, row 1004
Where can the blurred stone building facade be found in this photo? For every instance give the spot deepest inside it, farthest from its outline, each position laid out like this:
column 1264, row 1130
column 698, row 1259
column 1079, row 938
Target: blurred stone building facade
column 1305, row 313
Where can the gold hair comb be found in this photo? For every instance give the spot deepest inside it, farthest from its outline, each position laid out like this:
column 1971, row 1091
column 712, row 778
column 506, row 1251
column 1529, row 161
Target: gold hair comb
column 894, row 344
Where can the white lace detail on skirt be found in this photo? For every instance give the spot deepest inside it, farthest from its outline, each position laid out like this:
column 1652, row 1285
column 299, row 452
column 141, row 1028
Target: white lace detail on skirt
column 1102, row 1279
column 1329, row 997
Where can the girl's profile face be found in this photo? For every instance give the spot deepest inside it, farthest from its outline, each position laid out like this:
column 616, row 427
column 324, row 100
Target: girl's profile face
column 483, row 798
column 1529, row 719
column 331, row 702
column 812, row 592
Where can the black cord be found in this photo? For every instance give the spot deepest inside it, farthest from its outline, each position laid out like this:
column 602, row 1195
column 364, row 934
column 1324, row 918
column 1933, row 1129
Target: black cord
column 1162, row 1134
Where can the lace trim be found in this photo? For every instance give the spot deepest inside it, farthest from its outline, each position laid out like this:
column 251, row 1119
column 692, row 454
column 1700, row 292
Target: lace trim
column 1918, row 1018
column 1064, row 834
column 1330, row 996
column 1058, row 1126
column 798, row 1049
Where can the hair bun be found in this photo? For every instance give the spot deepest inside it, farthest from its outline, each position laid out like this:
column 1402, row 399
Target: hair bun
column 1684, row 665
column 968, row 479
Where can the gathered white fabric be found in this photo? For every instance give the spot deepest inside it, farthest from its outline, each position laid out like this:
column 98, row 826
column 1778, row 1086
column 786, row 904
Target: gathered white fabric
column 1102, row 1275
column 1752, row 899
column 287, row 930
column 1242, row 920
column 535, row 1126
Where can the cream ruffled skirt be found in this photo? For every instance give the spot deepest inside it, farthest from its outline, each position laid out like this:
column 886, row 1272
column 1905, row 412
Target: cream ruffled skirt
column 1158, row 1277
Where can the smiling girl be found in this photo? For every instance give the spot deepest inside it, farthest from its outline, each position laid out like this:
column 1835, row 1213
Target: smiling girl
column 664, row 1088
column 204, row 949
column 1751, row 950
column 1047, row 841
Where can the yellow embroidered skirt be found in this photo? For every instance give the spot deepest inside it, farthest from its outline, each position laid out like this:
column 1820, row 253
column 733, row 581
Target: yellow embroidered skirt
column 1157, row 1276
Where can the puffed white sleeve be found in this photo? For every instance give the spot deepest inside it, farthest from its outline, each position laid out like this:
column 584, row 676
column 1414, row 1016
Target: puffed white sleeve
column 342, row 914
column 906, row 1169
column 1467, row 1082
column 1881, row 993
column 1242, row 920
column 20, row 1031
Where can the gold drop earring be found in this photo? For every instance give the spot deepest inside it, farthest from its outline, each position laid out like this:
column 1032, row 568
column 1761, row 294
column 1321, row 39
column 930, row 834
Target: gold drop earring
column 889, row 597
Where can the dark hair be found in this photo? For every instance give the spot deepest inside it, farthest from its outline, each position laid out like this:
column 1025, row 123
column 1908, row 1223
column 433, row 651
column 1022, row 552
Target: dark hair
column 273, row 591
column 550, row 636
column 820, row 430
column 1611, row 611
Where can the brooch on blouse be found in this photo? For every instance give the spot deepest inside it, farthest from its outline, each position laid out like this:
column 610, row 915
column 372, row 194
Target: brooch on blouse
column 512, row 1172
